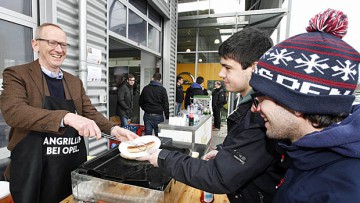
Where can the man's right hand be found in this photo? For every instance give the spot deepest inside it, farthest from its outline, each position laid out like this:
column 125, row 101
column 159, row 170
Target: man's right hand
column 84, row 126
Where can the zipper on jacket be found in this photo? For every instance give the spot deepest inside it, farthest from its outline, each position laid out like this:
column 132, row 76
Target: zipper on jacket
column 281, row 182
column 261, row 196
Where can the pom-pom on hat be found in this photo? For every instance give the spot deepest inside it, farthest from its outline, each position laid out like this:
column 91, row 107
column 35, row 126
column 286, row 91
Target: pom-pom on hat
column 314, row 72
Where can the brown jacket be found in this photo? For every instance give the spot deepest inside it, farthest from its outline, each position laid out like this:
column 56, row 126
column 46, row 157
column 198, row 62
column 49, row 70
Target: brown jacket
column 22, row 101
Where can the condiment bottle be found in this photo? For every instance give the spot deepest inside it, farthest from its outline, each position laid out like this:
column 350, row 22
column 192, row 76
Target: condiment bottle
column 191, row 119
column 206, row 197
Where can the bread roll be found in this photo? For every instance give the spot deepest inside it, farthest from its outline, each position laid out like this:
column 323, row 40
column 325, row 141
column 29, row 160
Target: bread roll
column 141, row 147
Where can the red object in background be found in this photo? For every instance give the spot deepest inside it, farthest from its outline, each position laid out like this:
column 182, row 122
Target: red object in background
column 191, row 119
column 7, row 199
column 135, row 128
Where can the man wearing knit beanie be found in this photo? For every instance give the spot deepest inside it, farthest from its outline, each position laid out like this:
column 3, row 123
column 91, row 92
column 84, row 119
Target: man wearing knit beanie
column 304, row 93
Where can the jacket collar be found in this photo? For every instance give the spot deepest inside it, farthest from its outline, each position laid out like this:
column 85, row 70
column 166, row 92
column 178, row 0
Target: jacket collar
column 155, row 83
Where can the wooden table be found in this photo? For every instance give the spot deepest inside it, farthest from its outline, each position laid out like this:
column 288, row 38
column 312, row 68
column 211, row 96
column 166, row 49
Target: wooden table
column 182, row 194
column 186, row 194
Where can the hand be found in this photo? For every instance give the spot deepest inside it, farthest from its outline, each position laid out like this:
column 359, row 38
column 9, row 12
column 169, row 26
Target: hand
column 84, row 126
column 123, row 134
column 211, row 155
column 152, row 157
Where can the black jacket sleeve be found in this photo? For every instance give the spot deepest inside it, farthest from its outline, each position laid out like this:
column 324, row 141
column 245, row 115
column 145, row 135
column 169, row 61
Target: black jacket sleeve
column 189, row 94
column 232, row 168
column 221, row 98
column 165, row 103
column 121, row 98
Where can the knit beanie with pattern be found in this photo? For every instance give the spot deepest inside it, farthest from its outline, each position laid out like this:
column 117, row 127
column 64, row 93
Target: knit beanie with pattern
column 315, row 72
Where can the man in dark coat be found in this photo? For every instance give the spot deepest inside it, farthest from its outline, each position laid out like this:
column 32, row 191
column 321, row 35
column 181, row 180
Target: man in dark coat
column 125, row 97
column 246, row 166
column 179, row 94
column 218, row 101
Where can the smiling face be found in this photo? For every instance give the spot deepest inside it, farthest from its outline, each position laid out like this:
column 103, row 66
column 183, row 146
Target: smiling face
column 280, row 122
column 235, row 78
column 50, row 57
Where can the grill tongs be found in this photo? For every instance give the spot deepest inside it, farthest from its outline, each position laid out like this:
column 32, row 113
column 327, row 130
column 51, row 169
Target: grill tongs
column 113, row 137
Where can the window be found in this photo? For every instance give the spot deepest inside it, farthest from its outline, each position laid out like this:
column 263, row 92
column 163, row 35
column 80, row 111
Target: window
column 141, row 5
column 15, row 46
column 118, row 18
column 137, row 28
column 20, row 6
column 154, row 16
column 154, row 39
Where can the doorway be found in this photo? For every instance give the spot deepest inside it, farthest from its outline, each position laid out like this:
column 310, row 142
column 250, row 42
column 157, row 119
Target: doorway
column 123, row 59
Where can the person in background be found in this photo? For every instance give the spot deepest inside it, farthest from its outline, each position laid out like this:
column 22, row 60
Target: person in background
column 197, row 88
column 179, row 94
column 125, row 95
column 246, row 166
column 49, row 114
column 306, row 97
column 154, row 101
column 218, row 101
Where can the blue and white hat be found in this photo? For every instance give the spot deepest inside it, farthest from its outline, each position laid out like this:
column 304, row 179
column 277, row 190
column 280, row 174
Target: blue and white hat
column 315, row 72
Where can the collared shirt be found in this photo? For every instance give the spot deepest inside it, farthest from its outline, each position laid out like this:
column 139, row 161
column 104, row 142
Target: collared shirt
column 59, row 76
column 247, row 97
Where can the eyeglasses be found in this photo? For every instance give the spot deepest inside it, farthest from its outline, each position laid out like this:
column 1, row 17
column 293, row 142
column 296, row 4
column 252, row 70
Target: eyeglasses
column 254, row 98
column 54, row 43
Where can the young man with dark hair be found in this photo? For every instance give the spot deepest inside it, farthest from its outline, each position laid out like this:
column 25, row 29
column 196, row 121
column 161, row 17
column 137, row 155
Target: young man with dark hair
column 125, row 97
column 154, row 101
column 246, row 166
column 305, row 95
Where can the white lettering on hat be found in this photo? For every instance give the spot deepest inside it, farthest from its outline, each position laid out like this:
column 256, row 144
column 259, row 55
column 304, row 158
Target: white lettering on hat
column 334, row 91
column 307, row 87
column 291, row 83
column 264, row 73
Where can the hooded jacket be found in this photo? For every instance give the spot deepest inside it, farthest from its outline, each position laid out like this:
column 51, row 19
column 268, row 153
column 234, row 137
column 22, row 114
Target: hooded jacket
column 326, row 165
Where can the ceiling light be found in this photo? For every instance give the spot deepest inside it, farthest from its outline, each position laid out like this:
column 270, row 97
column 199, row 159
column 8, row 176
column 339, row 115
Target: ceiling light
column 200, row 60
column 217, row 41
column 188, row 50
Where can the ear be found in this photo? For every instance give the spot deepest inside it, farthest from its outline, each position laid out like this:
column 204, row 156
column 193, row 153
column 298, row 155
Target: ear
column 253, row 66
column 35, row 45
